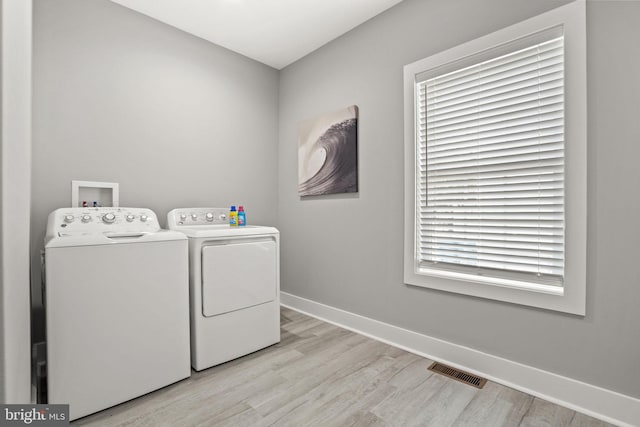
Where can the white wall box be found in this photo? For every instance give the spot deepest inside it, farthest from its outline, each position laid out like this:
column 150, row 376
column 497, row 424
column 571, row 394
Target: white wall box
column 104, row 193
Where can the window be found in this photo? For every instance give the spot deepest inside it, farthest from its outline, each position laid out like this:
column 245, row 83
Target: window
column 496, row 165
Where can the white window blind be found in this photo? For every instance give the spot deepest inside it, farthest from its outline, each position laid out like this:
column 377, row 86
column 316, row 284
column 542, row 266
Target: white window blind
column 490, row 167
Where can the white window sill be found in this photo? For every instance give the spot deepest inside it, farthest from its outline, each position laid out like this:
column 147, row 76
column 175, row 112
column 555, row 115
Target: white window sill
column 492, row 281
column 569, row 298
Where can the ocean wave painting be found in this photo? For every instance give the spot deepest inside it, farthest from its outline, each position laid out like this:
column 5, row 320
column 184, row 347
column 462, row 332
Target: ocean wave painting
column 328, row 153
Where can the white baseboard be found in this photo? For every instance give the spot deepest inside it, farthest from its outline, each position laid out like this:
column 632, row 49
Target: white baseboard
column 606, row 405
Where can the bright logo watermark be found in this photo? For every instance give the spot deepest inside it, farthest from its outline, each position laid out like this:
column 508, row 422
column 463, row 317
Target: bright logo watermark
column 37, row 415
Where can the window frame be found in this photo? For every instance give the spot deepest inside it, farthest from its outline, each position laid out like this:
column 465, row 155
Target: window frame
column 571, row 297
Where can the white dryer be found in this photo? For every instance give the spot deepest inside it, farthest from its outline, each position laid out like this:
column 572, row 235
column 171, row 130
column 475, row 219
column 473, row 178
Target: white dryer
column 234, row 282
column 117, row 307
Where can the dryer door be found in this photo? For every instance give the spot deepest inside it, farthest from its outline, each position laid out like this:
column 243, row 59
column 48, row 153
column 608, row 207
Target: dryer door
column 237, row 275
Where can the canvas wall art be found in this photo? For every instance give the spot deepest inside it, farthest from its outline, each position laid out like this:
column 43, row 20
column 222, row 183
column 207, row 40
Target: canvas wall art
column 328, row 153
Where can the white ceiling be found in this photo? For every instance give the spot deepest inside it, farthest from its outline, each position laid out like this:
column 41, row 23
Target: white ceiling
column 274, row 32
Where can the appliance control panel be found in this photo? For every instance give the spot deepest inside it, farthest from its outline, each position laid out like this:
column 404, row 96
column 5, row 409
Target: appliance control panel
column 197, row 216
column 102, row 220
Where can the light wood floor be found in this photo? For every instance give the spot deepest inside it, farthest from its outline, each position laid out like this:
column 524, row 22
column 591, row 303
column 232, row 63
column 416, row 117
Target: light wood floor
column 322, row 375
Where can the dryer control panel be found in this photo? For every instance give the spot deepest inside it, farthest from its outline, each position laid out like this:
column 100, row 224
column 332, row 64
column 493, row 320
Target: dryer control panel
column 197, row 216
column 102, row 220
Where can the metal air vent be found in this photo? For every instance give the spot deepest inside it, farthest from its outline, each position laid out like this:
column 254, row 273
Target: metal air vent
column 458, row 375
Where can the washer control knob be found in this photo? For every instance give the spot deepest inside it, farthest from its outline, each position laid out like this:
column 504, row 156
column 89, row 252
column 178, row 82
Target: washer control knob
column 69, row 218
column 86, row 218
column 144, row 218
column 130, row 218
column 194, row 217
column 183, row 217
column 108, row 218
column 209, row 216
column 222, row 217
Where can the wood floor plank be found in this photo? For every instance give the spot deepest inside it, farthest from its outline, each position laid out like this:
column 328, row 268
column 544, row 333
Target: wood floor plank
column 303, row 325
column 495, row 405
column 581, row 420
column 323, row 375
column 333, row 400
column 437, row 401
column 312, row 344
column 363, row 419
column 542, row 413
column 411, row 375
column 321, row 329
column 319, row 375
column 347, row 396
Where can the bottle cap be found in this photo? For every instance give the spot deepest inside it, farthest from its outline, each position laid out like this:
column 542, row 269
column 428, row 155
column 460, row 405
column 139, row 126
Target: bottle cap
column 233, row 208
column 241, row 208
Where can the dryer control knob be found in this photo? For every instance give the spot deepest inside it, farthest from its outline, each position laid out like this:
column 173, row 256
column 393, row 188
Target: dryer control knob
column 108, row 218
column 194, row 217
column 86, row 218
column 130, row 218
column 69, row 218
column 209, row 216
column 144, row 218
column 222, row 217
column 183, row 217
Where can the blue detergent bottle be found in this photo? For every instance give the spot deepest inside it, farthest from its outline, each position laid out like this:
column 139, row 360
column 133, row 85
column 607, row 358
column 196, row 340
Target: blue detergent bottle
column 242, row 217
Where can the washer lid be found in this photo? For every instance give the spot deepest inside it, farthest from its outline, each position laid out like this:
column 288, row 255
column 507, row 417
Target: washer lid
column 93, row 239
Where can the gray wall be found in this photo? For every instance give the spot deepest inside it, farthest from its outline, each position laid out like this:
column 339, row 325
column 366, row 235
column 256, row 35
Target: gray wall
column 177, row 121
column 346, row 251
column 15, row 177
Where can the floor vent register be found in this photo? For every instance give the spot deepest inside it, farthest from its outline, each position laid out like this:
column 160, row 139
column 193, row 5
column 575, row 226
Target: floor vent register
column 458, row 375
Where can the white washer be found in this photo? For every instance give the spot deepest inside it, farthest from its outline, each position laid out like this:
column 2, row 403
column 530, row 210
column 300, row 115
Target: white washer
column 117, row 307
column 235, row 285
